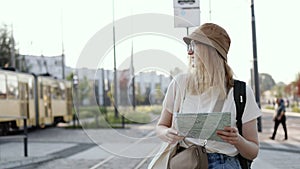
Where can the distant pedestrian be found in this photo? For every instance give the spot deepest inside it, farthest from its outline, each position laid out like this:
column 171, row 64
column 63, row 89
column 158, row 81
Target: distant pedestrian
column 287, row 103
column 280, row 118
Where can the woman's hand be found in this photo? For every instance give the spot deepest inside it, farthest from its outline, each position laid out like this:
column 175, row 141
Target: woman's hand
column 171, row 136
column 164, row 129
column 247, row 145
column 230, row 135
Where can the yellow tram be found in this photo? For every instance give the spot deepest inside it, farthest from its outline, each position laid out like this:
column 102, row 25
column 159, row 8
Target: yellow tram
column 43, row 100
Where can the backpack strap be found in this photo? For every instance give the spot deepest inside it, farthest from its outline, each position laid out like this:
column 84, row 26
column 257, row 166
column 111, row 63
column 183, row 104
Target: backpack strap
column 239, row 93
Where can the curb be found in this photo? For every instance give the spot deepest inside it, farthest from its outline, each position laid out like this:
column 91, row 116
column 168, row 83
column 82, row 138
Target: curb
column 287, row 113
column 26, row 161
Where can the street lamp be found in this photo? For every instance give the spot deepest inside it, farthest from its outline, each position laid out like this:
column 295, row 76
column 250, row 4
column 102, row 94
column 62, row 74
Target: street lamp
column 255, row 69
column 75, row 85
column 115, row 69
column 63, row 65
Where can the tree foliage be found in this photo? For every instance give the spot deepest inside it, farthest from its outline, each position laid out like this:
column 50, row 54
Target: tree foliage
column 298, row 84
column 7, row 50
column 6, row 47
column 266, row 82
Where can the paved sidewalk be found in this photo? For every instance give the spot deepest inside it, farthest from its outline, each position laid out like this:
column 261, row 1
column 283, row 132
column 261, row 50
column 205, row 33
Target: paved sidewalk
column 84, row 144
column 58, row 143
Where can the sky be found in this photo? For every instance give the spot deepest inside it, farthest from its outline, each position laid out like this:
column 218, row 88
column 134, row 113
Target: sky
column 44, row 26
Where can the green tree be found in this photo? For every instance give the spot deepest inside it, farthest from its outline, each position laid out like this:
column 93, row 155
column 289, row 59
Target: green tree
column 6, row 47
column 278, row 90
column 7, row 50
column 70, row 77
column 298, row 84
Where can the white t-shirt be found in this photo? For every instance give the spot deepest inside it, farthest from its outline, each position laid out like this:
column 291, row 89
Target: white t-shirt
column 206, row 103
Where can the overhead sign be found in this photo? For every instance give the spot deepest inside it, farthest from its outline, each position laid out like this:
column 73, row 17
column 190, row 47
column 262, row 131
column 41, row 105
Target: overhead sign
column 186, row 4
column 186, row 17
column 186, row 13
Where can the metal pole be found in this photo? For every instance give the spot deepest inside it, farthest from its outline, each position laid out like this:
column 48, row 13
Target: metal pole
column 77, row 104
column 25, row 137
column 255, row 69
column 133, row 93
column 103, row 88
column 187, row 30
column 187, row 33
column 63, row 65
column 115, row 69
column 12, row 49
column 62, row 45
column 133, row 78
column 209, row 10
column 75, row 84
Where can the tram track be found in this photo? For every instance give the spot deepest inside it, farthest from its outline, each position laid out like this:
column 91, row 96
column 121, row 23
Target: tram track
column 144, row 160
column 111, row 157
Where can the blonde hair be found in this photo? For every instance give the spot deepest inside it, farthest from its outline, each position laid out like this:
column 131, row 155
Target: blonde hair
column 209, row 70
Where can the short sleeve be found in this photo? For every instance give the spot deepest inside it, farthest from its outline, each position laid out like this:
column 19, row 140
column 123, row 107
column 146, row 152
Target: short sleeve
column 173, row 97
column 168, row 102
column 252, row 111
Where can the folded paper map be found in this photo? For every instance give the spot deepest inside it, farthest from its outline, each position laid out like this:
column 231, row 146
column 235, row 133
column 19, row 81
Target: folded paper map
column 202, row 125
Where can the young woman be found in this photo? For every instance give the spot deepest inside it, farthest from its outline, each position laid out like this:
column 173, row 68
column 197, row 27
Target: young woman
column 208, row 87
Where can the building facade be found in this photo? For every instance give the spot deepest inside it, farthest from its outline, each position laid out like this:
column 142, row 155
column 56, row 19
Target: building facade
column 150, row 85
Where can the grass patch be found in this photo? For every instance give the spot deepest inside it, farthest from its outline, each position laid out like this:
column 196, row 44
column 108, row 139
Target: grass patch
column 155, row 109
column 100, row 117
column 296, row 109
column 269, row 107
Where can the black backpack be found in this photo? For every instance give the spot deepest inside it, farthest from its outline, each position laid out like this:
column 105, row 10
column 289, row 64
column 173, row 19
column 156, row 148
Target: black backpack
column 239, row 93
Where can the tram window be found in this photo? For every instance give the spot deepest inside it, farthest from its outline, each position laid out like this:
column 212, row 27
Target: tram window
column 30, row 86
column 55, row 92
column 46, row 92
column 12, row 87
column 62, row 90
column 2, row 87
column 41, row 91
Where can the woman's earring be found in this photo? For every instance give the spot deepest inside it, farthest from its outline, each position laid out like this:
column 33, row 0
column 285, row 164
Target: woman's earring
column 191, row 50
column 191, row 54
column 193, row 61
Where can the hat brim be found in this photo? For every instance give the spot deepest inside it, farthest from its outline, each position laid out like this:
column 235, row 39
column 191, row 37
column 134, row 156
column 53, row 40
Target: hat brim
column 206, row 41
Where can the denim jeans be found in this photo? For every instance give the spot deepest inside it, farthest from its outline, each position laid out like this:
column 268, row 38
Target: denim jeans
column 222, row 161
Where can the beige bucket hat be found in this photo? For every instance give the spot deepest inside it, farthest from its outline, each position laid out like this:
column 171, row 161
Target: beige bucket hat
column 212, row 35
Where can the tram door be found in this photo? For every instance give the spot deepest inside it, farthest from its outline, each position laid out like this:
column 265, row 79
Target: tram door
column 47, row 101
column 24, row 99
column 69, row 101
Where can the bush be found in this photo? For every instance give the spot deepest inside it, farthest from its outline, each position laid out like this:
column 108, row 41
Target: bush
column 155, row 109
column 296, row 109
column 269, row 107
column 104, row 117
